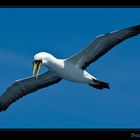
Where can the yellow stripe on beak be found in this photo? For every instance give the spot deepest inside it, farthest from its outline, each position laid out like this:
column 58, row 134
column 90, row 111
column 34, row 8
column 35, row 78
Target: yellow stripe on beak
column 34, row 68
column 38, row 69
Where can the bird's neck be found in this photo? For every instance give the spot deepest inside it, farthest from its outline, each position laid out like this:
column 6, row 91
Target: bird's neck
column 54, row 63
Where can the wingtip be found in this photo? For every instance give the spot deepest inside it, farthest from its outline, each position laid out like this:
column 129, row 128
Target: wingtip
column 3, row 107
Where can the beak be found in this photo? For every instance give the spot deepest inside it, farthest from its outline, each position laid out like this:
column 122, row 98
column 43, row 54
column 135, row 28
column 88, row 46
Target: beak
column 36, row 67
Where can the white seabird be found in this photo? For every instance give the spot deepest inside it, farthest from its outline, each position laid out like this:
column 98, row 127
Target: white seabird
column 72, row 69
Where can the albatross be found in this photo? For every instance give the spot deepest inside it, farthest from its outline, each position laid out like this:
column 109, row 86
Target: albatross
column 72, row 68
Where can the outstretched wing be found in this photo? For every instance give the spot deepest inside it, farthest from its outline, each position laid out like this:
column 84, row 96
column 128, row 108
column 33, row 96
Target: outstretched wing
column 101, row 45
column 25, row 86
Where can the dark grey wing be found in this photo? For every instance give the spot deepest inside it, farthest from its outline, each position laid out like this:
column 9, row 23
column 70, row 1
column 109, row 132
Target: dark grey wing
column 25, row 86
column 101, row 45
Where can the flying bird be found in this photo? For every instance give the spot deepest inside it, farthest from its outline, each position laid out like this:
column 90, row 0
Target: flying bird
column 72, row 68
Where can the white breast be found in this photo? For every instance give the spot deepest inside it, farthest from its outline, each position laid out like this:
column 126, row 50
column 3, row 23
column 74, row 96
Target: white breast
column 68, row 71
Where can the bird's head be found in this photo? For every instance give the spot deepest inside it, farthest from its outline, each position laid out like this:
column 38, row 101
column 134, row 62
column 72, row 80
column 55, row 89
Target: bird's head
column 40, row 59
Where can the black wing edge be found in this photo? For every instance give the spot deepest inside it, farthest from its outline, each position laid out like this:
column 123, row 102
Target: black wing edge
column 134, row 31
column 23, row 92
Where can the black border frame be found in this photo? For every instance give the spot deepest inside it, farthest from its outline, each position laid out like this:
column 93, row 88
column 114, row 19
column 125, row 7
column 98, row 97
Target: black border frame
column 70, row 133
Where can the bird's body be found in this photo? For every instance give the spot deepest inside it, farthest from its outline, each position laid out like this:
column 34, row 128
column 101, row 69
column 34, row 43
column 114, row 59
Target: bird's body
column 72, row 68
column 66, row 70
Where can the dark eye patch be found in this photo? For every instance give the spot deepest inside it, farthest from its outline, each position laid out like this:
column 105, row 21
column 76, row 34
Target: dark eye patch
column 37, row 61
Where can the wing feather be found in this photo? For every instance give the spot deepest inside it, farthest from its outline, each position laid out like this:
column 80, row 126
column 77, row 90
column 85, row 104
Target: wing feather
column 25, row 86
column 101, row 45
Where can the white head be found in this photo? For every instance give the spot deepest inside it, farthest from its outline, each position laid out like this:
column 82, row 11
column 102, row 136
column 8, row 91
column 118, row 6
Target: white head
column 40, row 59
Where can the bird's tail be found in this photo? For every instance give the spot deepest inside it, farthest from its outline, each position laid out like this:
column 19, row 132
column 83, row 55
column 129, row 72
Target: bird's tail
column 99, row 84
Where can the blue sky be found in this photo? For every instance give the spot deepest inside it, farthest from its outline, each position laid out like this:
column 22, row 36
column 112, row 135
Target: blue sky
column 63, row 32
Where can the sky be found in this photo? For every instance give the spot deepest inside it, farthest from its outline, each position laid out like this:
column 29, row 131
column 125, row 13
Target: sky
column 64, row 32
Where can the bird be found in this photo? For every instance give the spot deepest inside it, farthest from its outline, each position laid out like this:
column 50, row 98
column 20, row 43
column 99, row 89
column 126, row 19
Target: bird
column 72, row 68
